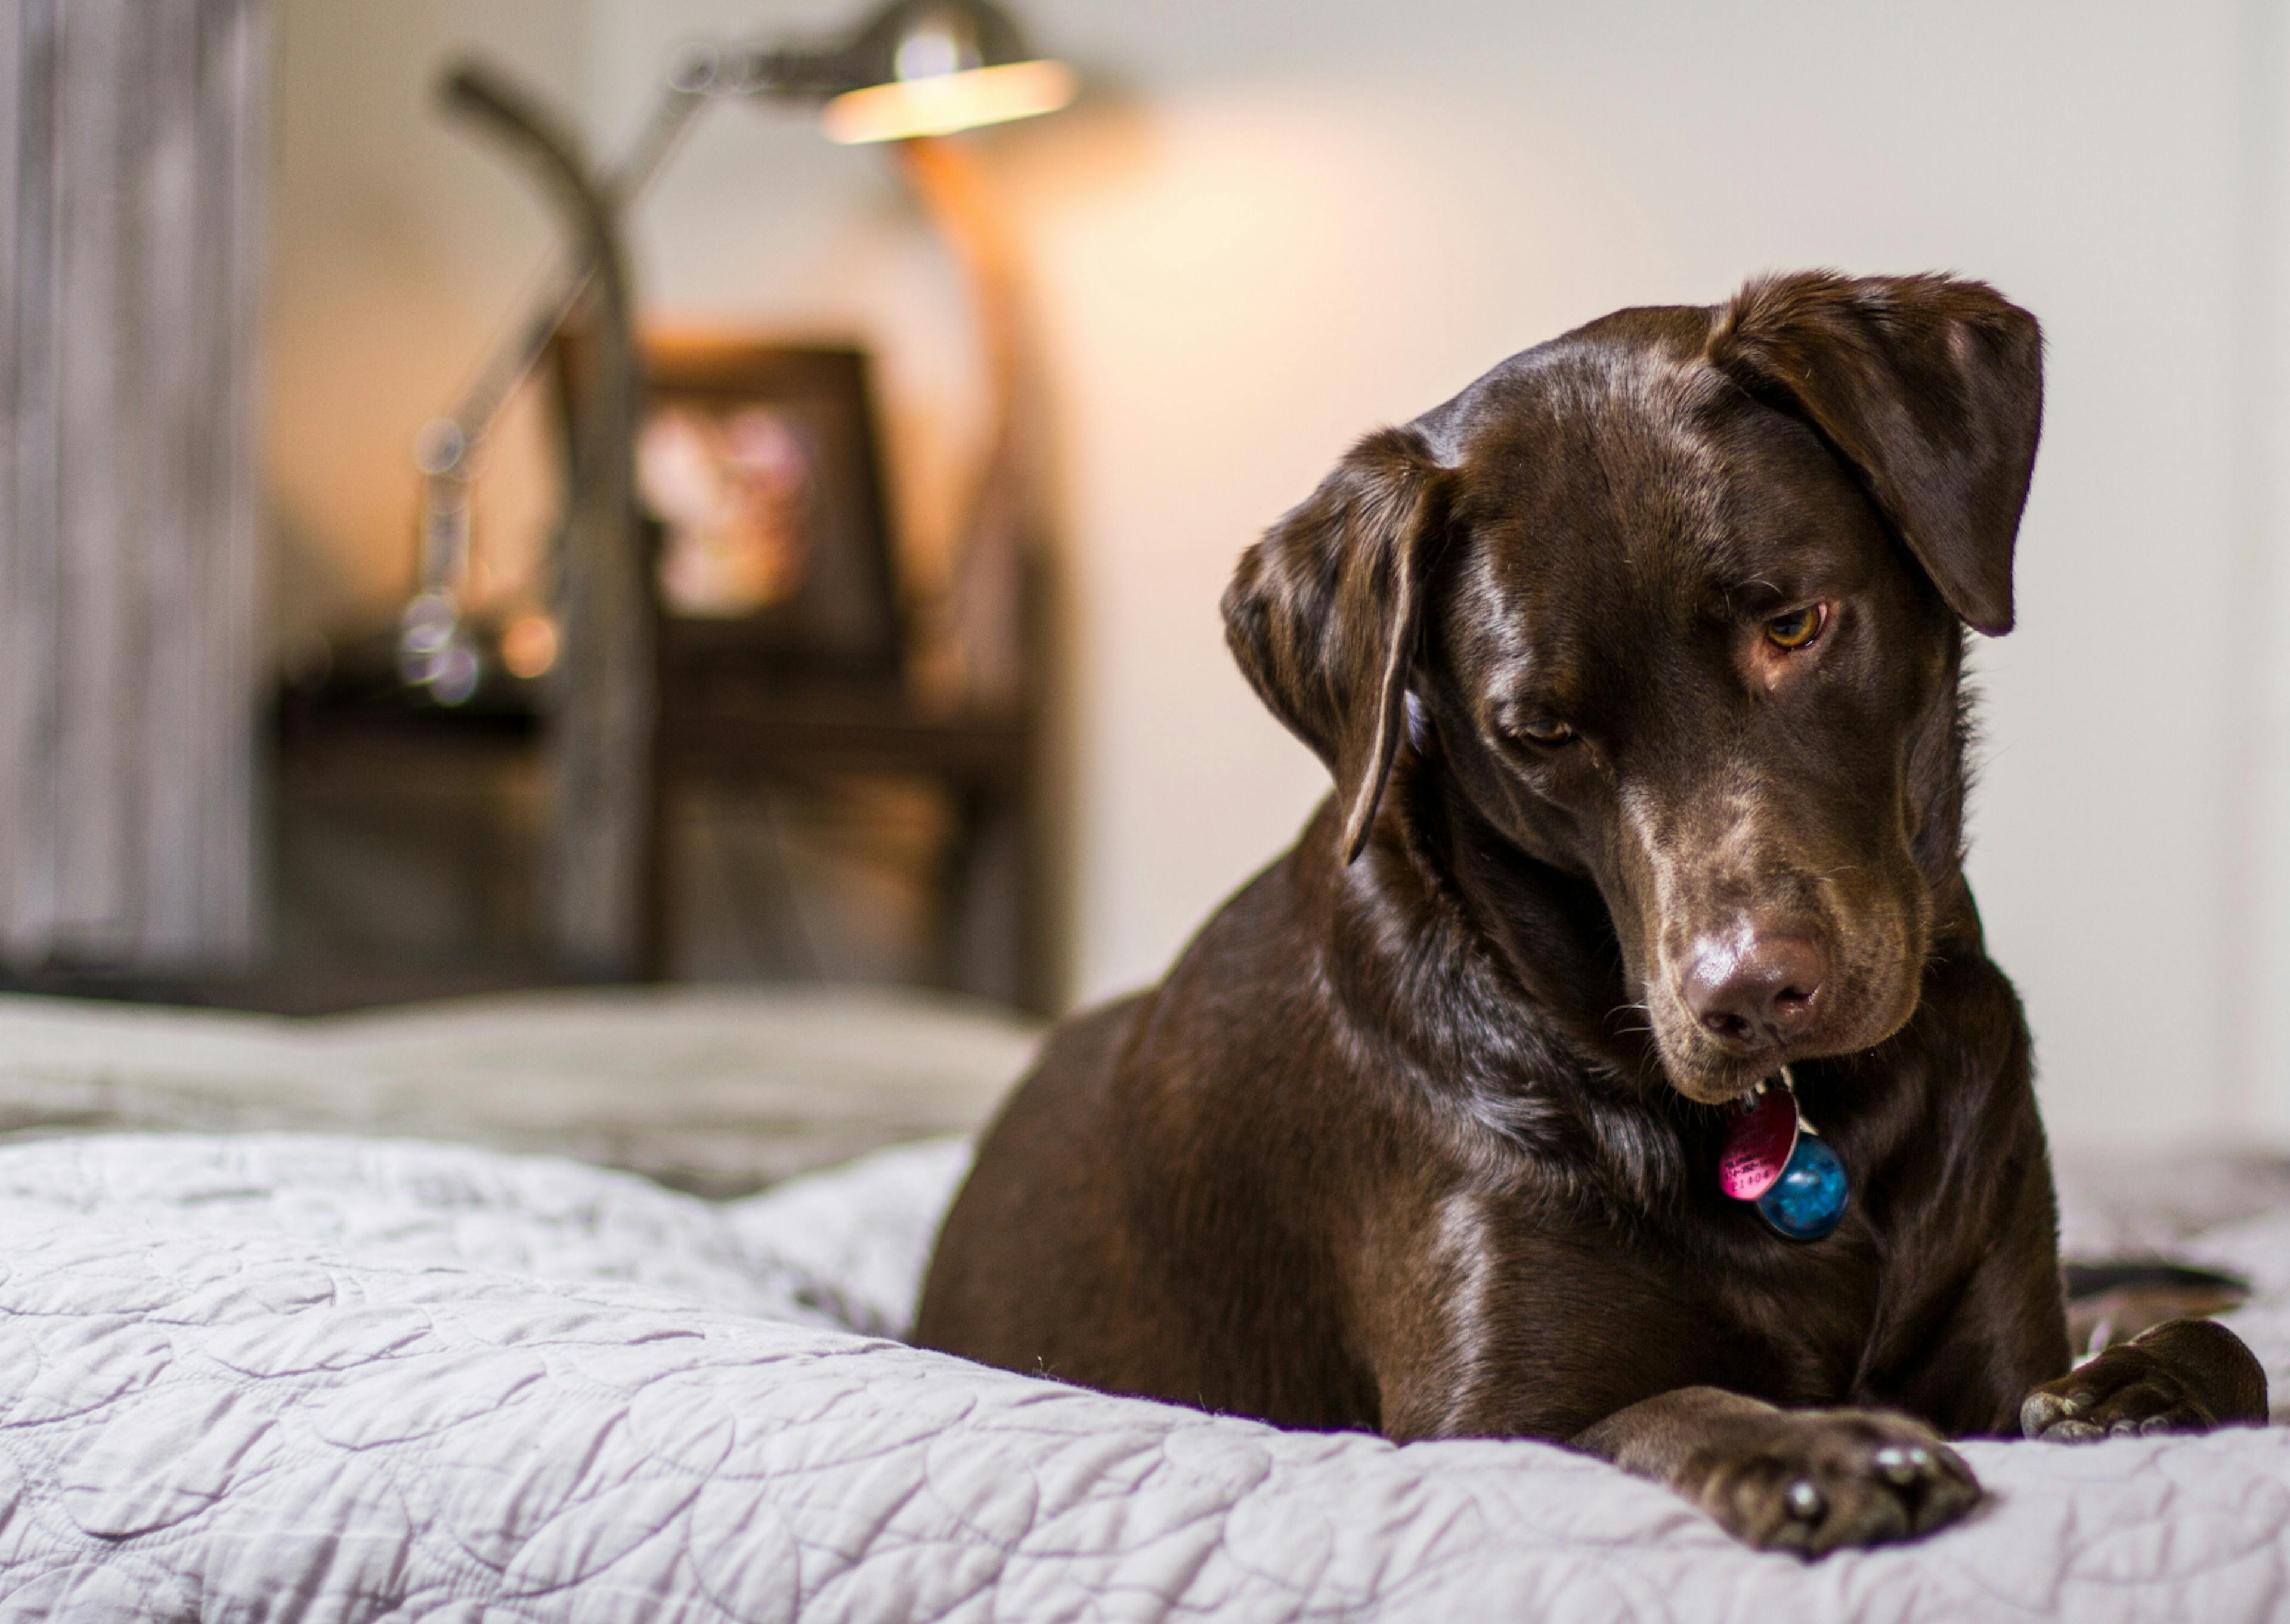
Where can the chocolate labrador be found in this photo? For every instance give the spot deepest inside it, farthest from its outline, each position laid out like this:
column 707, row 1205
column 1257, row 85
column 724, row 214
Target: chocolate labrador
column 1638, row 668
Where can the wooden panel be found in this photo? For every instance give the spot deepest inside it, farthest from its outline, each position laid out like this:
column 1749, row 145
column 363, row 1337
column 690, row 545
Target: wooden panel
column 128, row 607
column 30, row 592
column 97, row 624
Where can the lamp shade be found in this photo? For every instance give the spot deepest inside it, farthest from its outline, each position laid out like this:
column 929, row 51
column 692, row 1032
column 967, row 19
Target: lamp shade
column 934, row 67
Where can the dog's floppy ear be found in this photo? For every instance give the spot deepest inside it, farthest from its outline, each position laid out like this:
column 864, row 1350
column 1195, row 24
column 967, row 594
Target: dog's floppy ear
column 1323, row 613
column 1931, row 388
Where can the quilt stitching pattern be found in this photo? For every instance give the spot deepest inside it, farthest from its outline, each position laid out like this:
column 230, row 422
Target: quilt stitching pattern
column 282, row 1377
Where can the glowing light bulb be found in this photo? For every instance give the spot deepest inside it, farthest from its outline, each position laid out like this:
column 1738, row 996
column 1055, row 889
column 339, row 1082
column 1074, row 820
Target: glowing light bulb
column 940, row 104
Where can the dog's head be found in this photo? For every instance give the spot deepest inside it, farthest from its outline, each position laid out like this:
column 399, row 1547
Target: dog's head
column 1680, row 595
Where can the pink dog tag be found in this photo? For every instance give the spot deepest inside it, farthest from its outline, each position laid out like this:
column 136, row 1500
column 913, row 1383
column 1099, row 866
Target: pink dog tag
column 1759, row 1141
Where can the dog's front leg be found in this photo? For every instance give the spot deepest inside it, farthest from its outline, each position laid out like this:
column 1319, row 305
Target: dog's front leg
column 2183, row 1375
column 1808, row 1481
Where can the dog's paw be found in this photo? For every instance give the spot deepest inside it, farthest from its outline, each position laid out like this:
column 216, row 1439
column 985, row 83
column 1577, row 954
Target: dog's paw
column 2125, row 1392
column 2181, row 1376
column 1815, row 1481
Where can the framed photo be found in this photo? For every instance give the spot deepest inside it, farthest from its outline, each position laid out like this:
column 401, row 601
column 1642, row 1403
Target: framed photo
column 760, row 477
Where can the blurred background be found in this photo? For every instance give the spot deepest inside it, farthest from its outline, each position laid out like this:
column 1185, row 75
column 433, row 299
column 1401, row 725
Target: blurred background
column 949, row 446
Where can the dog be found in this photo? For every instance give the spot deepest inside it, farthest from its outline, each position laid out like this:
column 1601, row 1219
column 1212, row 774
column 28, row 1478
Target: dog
column 1638, row 666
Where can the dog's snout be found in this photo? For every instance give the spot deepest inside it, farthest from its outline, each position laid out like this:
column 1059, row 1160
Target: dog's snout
column 1756, row 990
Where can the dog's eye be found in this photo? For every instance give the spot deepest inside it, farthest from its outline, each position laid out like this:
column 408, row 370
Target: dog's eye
column 1796, row 629
column 1547, row 732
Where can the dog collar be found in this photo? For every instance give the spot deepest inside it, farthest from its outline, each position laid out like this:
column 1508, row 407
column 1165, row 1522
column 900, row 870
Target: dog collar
column 1777, row 1160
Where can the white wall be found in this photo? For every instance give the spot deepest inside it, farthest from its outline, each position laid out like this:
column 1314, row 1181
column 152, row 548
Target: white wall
column 1272, row 226
column 1341, row 224
column 2256, row 924
column 399, row 244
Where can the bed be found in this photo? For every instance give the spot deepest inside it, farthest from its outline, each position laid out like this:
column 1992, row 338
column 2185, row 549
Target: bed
column 308, row 1369
column 716, row 1090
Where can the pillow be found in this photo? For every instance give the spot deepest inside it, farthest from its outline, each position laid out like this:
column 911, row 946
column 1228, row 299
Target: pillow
column 715, row 1089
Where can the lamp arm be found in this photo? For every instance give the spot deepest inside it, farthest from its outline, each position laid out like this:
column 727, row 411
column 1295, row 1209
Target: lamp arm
column 431, row 636
column 790, row 74
column 602, row 687
column 477, row 92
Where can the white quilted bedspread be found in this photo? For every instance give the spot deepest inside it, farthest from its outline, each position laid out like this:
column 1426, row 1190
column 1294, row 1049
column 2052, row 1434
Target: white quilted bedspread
column 284, row 1378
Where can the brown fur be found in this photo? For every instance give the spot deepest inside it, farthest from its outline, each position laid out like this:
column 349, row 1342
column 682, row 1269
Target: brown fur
column 1419, row 1134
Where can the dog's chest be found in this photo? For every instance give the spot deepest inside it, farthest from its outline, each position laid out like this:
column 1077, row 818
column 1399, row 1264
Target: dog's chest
column 1791, row 1322
column 1718, row 1300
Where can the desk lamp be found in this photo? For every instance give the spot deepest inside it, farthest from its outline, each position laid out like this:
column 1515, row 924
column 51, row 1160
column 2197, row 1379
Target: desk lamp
column 916, row 69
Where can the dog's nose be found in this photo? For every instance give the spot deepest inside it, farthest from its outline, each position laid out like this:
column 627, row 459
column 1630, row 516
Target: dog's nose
column 1755, row 990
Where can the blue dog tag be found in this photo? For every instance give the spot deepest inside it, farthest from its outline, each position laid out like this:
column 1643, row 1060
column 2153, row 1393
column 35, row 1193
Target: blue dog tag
column 1805, row 1203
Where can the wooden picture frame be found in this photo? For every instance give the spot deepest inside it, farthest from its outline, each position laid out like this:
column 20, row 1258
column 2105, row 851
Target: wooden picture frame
column 759, row 478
